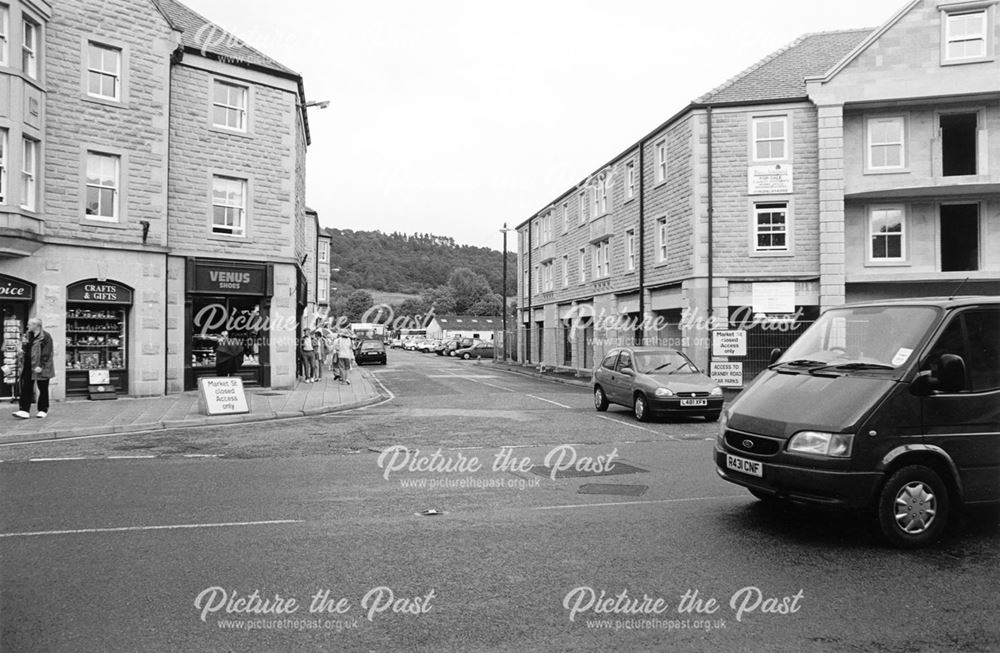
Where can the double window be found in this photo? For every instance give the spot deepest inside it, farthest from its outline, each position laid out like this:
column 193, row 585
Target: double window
column 886, row 229
column 546, row 228
column 3, row 166
column 29, row 49
column 324, row 251
column 602, row 259
column 966, row 35
column 771, row 227
column 630, row 249
column 886, row 143
column 770, row 138
column 229, row 206
column 602, row 190
column 229, row 106
column 29, row 173
column 104, row 71
column 4, row 35
column 660, row 150
column 630, row 180
column 103, row 181
column 661, row 240
column 546, row 277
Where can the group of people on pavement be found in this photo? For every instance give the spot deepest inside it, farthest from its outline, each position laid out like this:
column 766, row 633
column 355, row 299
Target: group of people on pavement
column 322, row 347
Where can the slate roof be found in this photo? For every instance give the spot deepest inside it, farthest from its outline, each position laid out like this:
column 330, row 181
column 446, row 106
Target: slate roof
column 202, row 35
column 468, row 321
column 781, row 75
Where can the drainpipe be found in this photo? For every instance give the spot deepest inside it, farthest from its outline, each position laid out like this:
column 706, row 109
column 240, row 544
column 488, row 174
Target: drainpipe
column 527, row 331
column 642, row 245
column 711, row 212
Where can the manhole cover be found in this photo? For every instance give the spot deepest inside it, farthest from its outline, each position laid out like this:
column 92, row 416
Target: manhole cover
column 620, row 490
column 617, row 468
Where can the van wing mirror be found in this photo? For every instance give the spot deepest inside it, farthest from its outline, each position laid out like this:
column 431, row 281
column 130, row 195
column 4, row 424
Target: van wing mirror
column 950, row 377
column 775, row 355
column 951, row 373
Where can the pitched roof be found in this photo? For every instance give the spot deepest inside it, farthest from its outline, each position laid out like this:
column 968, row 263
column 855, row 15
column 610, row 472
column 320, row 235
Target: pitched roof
column 468, row 321
column 781, row 75
column 202, row 35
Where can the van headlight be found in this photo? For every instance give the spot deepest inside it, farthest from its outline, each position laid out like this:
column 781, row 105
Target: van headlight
column 837, row 445
column 720, row 437
column 664, row 392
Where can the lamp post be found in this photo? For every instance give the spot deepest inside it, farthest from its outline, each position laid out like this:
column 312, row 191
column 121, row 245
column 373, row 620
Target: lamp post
column 503, row 284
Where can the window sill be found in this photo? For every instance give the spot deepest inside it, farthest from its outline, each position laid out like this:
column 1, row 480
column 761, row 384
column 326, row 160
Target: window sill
column 103, row 101
column 226, row 238
column 228, row 131
column 784, row 253
column 962, row 62
column 111, row 224
column 887, row 171
column 887, row 264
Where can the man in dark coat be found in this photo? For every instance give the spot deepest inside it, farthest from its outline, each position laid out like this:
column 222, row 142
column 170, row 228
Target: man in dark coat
column 36, row 369
column 228, row 356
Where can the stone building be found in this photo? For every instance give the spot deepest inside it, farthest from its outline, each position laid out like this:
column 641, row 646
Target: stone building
column 770, row 191
column 159, row 195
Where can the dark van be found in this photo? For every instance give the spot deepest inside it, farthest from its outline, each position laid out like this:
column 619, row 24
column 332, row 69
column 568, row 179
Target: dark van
column 892, row 407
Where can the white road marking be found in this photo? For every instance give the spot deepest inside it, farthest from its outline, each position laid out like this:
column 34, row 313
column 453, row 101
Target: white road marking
column 547, row 400
column 459, row 376
column 123, row 529
column 49, row 460
column 200, row 455
column 636, row 503
column 129, row 457
column 634, row 426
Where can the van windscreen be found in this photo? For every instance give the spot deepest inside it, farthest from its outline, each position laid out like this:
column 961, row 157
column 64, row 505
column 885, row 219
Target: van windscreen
column 869, row 336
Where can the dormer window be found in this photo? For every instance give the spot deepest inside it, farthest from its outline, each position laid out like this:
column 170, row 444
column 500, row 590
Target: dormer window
column 966, row 35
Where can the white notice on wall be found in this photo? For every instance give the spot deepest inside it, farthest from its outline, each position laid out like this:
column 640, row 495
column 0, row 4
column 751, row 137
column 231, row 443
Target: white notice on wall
column 773, row 296
column 769, row 180
column 729, row 343
column 728, row 375
column 222, row 395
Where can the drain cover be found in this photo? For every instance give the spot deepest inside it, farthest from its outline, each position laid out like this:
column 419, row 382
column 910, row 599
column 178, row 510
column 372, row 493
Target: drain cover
column 606, row 488
column 616, row 469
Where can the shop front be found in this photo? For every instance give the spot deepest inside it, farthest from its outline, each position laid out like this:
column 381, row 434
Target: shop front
column 16, row 298
column 97, row 335
column 227, row 302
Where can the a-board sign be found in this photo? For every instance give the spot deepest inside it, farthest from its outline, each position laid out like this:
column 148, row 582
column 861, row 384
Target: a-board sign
column 729, row 343
column 728, row 375
column 222, row 395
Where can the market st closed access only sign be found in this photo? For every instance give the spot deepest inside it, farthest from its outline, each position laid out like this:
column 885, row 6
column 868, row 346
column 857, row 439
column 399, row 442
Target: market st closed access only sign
column 222, row 395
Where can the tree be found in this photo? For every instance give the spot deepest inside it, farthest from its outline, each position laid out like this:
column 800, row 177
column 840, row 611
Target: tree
column 358, row 302
column 441, row 300
column 491, row 304
column 412, row 306
column 468, row 287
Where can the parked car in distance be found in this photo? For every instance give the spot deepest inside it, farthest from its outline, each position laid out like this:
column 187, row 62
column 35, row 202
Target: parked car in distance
column 427, row 346
column 888, row 408
column 477, row 350
column 395, row 343
column 412, row 343
column 370, row 351
column 655, row 381
column 459, row 343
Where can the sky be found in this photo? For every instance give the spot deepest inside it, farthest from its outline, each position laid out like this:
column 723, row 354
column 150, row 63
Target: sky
column 453, row 117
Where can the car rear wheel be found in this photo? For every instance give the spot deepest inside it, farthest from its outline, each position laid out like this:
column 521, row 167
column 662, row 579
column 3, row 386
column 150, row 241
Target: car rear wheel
column 600, row 399
column 466, row 356
column 641, row 408
column 913, row 507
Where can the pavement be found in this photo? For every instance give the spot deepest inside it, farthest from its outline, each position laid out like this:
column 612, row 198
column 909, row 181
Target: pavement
column 75, row 418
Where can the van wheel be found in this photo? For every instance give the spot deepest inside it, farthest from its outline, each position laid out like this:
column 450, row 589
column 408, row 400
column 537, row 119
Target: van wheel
column 600, row 400
column 913, row 507
column 641, row 408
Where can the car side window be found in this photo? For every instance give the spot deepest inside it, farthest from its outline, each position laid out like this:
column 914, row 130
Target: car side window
column 609, row 361
column 982, row 328
column 624, row 360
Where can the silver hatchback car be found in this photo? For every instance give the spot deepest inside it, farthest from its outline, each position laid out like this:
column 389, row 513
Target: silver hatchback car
column 655, row 381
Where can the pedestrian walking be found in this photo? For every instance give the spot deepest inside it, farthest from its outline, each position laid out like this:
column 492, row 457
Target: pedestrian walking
column 345, row 356
column 36, row 370
column 320, row 345
column 330, row 353
column 228, row 356
column 308, row 347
